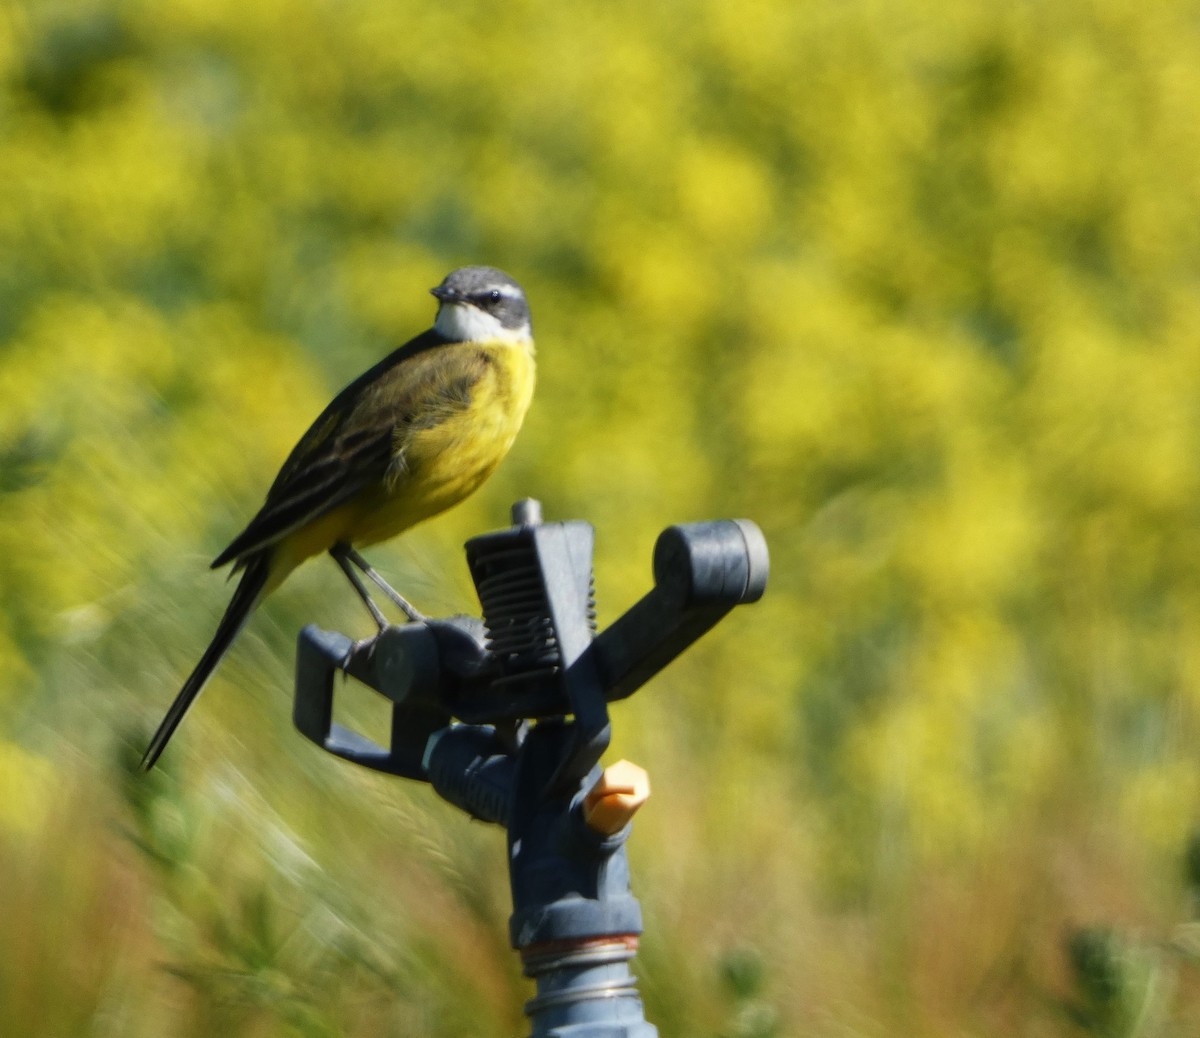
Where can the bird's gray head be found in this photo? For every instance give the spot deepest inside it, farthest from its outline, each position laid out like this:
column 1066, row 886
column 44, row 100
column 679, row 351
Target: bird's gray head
column 479, row 304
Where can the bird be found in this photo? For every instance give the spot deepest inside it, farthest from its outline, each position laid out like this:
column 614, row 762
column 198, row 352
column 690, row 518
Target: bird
column 406, row 440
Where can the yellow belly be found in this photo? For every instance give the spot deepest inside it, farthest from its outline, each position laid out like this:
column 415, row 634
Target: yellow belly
column 439, row 466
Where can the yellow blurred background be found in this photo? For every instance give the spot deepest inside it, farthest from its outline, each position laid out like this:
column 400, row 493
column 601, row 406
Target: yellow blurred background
column 914, row 285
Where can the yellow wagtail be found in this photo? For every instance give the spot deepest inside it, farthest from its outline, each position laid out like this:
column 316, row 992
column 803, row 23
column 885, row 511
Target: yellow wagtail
column 412, row 436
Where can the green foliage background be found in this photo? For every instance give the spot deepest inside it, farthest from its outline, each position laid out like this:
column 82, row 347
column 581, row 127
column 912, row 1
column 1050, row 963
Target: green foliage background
column 915, row 285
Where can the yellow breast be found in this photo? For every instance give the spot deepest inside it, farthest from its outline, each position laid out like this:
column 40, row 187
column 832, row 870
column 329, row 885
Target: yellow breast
column 442, row 462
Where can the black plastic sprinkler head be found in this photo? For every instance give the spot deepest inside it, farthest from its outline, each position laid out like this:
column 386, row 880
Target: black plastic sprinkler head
column 507, row 718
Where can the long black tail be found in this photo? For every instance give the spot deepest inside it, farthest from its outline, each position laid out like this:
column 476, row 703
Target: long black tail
column 245, row 598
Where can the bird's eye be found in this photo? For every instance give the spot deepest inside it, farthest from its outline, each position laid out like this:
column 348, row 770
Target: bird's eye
column 494, row 296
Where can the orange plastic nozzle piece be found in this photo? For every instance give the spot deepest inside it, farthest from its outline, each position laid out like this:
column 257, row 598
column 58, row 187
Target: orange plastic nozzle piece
column 614, row 799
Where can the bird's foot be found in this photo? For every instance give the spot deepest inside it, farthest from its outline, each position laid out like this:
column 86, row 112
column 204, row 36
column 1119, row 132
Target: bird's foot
column 362, row 646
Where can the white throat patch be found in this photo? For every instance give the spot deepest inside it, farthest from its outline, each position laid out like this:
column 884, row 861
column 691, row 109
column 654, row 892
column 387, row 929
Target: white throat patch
column 462, row 322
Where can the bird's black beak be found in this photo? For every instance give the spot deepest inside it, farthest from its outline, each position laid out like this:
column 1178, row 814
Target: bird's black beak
column 444, row 294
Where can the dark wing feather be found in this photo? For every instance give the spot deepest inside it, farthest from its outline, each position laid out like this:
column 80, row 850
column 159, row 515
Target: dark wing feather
column 313, row 491
column 333, row 420
column 357, row 437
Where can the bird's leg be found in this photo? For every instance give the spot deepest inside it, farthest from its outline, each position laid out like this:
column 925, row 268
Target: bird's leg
column 346, row 556
column 405, row 606
column 338, row 554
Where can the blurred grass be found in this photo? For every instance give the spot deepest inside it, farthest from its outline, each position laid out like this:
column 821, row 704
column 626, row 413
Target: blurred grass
column 914, row 285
